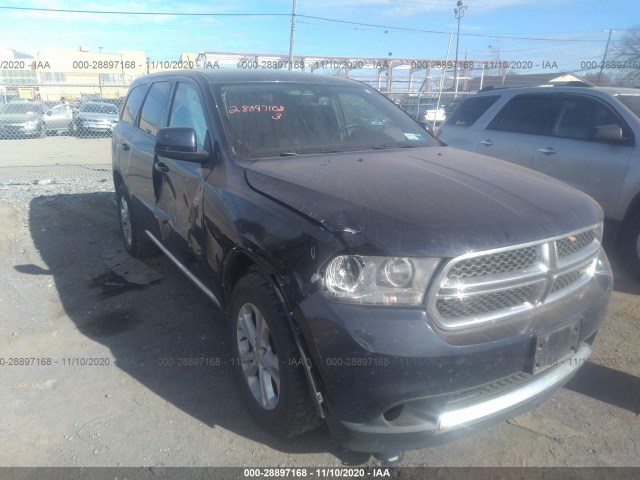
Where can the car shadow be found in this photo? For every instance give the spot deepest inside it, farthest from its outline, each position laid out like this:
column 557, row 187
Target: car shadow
column 151, row 330
column 607, row 384
column 624, row 279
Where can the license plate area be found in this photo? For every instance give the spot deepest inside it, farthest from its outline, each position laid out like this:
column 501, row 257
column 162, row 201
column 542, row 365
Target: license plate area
column 555, row 346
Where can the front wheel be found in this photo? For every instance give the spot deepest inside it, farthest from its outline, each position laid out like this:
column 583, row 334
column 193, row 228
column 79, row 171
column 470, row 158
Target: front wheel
column 267, row 362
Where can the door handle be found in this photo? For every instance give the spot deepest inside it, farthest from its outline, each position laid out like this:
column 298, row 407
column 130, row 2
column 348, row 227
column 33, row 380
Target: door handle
column 161, row 167
column 547, row 151
column 486, row 143
column 125, row 146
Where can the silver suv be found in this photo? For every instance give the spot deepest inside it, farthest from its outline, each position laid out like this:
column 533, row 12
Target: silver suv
column 585, row 136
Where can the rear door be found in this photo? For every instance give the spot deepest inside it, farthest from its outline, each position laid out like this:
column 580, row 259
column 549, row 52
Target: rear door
column 136, row 141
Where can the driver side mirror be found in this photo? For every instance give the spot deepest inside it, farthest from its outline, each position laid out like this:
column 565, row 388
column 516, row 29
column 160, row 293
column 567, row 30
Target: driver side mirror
column 179, row 143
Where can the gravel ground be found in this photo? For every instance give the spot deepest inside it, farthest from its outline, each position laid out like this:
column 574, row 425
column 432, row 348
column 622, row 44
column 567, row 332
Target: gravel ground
column 59, row 301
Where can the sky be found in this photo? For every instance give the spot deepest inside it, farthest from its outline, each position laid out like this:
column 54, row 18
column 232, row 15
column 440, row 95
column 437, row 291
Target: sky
column 567, row 32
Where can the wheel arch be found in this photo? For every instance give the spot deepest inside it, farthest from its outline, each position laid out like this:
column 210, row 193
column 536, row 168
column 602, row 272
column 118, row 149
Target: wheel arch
column 241, row 262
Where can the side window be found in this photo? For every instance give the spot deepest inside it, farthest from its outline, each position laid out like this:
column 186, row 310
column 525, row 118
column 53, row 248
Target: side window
column 583, row 118
column 470, row 110
column 187, row 111
column 130, row 110
column 154, row 106
column 526, row 114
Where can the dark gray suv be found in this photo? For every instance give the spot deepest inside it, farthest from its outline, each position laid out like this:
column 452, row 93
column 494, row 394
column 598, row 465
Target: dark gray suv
column 397, row 289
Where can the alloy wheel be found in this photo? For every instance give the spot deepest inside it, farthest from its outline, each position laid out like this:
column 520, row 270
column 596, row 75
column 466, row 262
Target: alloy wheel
column 258, row 356
column 125, row 221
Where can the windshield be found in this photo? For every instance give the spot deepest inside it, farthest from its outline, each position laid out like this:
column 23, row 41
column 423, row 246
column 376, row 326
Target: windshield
column 282, row 119
column 632, row 102
column 99, row 108
column 20, row 109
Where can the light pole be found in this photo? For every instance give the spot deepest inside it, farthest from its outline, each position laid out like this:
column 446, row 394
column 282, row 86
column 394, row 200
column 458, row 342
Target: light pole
column 604, row 58
column 459, row 11
column 292, row 39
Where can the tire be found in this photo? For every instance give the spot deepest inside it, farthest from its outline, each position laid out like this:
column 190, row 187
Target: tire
column 284, row 406
column 135, row 240
column 631, row 244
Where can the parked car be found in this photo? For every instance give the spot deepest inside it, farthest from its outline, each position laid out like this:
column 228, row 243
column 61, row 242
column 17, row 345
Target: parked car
column 96, row 117
column 585, row 136
column 118, row 102
column 59, row 119
column 20, row 119
column 398, row 289
column 426, row 112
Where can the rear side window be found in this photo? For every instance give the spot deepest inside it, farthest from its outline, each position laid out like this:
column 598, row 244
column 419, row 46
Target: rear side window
column 131, row 107
column 470, row 110
column 531, row 114
column 154, row 106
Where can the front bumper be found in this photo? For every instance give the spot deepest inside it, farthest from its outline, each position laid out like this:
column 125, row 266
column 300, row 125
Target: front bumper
column 18, row 130
column 95, row 126
column 393, row 380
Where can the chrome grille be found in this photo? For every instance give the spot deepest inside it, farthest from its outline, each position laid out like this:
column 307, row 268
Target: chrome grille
column 490, row 285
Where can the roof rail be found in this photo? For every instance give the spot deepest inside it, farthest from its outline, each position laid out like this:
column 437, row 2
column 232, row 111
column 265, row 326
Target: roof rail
column 571, row 83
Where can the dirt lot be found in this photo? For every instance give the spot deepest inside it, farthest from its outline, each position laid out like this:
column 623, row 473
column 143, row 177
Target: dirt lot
column 62, row 306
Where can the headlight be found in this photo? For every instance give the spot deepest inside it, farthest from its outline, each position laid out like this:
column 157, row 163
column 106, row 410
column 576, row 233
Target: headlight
column 378, row 280
column 31, row 123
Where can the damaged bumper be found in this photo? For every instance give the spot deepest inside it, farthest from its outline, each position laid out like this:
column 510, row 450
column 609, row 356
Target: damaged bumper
column 393, row 380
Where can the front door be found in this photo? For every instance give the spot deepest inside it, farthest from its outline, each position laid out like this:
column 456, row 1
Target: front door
column 178, row 184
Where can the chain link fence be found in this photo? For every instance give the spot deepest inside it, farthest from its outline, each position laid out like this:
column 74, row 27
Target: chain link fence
column 430, row 110
column 69, row 140
column 65, row 141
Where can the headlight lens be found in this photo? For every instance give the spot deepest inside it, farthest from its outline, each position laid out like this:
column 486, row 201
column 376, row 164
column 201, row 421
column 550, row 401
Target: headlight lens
column 397, row 272
column 378, row 280
column 345, row 273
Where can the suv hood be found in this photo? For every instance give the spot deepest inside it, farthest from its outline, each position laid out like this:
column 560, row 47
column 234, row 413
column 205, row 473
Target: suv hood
column 434, row 201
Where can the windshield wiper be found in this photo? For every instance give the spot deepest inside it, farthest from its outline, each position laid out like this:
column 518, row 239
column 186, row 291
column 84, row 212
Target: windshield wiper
column 393, row 145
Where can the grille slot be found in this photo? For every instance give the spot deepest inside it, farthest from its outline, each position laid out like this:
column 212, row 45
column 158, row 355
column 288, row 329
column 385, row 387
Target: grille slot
column 490, row 285
column 482, row 392
column 572, row 244
column 485, row 303
column 503, row 262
